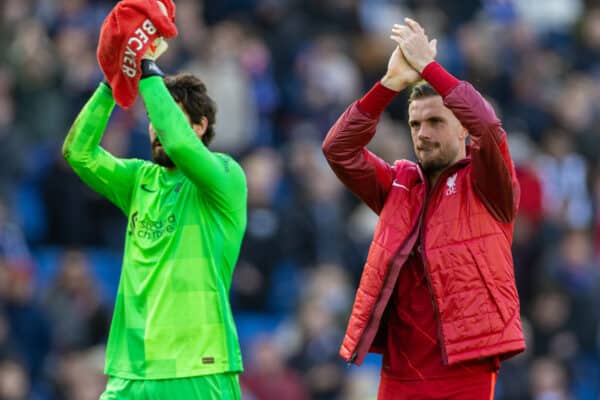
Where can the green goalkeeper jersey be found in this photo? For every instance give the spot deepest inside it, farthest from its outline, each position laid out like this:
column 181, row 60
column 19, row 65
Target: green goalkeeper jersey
column 172, row 316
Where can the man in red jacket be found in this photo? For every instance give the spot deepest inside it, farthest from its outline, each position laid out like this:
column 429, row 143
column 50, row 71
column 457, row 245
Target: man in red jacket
column 437, row 296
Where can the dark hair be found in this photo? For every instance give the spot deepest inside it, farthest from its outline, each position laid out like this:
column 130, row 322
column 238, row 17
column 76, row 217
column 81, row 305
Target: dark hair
column 190, row 91
column 421, row 90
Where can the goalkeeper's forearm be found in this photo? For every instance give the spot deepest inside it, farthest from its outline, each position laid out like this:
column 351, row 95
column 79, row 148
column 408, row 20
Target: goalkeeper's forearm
column 84, row 137
column 217, row 175
column 177, row 136
column 110, row 176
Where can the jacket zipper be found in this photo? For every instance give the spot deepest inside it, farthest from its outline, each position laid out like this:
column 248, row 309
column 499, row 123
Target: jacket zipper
column 436, row 310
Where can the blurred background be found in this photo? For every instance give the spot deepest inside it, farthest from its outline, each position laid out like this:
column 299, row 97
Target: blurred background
column 281, row 71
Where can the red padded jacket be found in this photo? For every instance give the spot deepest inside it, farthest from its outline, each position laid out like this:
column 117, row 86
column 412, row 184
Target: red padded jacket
column 465, row 225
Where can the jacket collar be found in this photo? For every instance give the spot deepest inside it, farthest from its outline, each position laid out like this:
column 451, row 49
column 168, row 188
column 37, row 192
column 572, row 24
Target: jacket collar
column 448, row 170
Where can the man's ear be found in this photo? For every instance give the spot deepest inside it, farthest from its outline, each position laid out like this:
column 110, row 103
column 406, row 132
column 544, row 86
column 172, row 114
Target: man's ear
column 200, row 128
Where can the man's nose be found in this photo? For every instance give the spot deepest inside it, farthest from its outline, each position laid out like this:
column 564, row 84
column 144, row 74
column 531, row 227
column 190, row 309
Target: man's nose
column 424, row 133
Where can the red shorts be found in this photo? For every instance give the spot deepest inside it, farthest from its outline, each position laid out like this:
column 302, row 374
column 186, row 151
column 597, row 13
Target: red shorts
column 470, row 387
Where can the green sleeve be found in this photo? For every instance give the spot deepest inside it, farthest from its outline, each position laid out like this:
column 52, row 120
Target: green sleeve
column 216, row 175
column 110, row 176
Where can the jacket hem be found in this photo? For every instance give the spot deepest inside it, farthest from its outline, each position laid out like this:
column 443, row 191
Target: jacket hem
column 505, row 351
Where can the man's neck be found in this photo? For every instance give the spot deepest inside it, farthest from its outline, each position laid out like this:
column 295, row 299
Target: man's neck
column 432, row 177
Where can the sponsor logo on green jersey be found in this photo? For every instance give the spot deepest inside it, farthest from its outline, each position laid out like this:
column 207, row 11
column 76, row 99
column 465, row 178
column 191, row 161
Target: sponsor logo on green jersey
column 150, row 229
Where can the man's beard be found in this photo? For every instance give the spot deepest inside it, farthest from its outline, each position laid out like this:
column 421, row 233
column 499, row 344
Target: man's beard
column 160, row 157
column 433, row 165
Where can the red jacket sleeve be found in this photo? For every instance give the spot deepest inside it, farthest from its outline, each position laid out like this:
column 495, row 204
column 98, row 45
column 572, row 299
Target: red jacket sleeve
column 493, row 174
column 365, row 174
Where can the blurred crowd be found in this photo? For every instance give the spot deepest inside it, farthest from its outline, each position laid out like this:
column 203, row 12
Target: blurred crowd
column 281, row 71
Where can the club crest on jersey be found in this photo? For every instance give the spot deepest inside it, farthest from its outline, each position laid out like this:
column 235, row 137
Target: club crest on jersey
column 451, row 185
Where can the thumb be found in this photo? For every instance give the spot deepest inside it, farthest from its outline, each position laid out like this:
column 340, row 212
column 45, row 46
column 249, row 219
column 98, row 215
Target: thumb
column 158, row 47
column 433, row 46
column 161, row 47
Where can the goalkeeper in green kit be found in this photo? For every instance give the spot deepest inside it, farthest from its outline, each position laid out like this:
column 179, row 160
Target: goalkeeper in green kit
column 172, row 335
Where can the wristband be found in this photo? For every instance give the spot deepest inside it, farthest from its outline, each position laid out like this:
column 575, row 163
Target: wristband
column 149, row 68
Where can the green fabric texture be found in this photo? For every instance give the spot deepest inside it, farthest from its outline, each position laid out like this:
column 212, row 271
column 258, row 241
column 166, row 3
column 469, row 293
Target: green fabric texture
column 172, row 316
column 211, row 387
